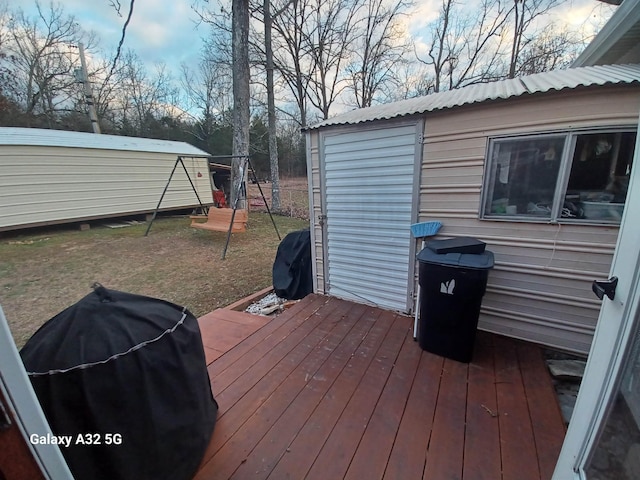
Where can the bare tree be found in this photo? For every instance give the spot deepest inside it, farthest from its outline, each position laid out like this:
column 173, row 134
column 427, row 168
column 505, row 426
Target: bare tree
column 143, row 98
column 552, row 48
column 440, row 51
column 377, row 50
column 106, row 90
column 483, row 51
column 329, row 34
column 241, row 95
column 271, row 109
column 525, row 14
column 239, row 31
column 5, row 74
column 412, row 79
column 43, row 62
column 465, row 47
column 4, row 24
column 116, row 4
column 291, row 54
column 208, row 89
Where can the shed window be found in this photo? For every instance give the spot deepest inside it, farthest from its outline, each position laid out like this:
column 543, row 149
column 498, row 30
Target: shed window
column 572, row 176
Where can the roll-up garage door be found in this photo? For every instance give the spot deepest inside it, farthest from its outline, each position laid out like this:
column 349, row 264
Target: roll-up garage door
column 369, row 179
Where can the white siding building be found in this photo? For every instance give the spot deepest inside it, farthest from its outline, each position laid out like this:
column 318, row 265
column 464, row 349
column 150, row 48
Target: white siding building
column 52, row 176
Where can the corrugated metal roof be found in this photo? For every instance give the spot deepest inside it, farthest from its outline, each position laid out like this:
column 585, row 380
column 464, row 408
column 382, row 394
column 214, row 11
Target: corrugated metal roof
column 484, row 92
column 61, row 138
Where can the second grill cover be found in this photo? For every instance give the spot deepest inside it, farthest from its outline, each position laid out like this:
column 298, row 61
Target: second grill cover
column 292, row 275
column 125, row 377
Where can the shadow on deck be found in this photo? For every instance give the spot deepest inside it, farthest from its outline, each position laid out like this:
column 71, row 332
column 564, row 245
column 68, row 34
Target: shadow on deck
column 332, row 389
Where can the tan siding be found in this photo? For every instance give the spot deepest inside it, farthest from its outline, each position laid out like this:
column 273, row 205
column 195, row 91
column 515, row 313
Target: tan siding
column 601, row 107
column 448, row 202
column 550, row 283
column 458, row 149
column 521, row 231
column 55, row 184
column 461, row 176
column 540, row 287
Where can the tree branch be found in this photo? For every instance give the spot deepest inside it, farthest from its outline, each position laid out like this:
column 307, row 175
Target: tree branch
column 124, row 32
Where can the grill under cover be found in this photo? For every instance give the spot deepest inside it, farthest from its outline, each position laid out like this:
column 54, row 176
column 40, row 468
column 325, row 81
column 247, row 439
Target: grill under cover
column 125, row 377
column 292, row 272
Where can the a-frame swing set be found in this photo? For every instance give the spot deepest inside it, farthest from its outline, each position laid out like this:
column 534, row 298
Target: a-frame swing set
column 236, row 219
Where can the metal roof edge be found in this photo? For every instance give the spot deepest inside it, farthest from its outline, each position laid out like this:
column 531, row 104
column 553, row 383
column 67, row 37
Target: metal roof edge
column 21, row 136
column 535, row 84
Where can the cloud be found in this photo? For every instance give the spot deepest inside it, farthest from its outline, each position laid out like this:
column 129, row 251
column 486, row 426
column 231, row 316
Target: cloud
column 583, row 16
column 158, row 31
column 422, row 15
column 167, row 34
column 97, row 17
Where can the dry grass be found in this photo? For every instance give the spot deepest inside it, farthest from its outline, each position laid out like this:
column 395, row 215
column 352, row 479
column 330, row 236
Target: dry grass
column 42, row 273
column 294, row 197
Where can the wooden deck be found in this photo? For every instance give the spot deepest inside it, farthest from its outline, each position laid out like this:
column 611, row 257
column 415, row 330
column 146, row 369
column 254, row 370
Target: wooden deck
column 223, row 329
column 332, row 389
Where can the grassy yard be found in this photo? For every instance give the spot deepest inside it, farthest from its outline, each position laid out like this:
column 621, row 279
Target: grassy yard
column 43, row 272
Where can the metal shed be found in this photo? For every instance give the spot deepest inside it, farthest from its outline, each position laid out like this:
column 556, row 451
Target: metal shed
column 373, row 172
column 53, row 176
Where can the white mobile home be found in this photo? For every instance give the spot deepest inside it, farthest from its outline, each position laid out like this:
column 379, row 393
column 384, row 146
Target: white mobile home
column 52, row 176
column 537, row 167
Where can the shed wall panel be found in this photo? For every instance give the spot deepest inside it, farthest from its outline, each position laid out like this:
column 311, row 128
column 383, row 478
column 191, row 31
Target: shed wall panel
column 575, row 109
column 540, row 287
column 316, row 209
column 59, row 184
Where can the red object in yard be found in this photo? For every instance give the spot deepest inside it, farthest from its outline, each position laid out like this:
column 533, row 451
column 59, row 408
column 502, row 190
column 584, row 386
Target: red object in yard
column 219, row 199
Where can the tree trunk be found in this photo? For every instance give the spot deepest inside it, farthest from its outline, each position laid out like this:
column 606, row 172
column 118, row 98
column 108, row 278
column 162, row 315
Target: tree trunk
column 241, row 95
column 271, row 112
column 517, row 37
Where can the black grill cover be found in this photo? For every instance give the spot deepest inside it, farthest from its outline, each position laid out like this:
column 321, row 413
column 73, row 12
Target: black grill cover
column 292, row 275
column 121, row 364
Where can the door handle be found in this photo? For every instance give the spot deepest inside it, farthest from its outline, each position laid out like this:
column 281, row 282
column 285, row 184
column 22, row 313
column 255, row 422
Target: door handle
column 605, row 287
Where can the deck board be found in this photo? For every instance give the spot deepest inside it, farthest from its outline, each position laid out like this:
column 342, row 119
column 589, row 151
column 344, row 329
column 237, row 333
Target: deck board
column 334, row 389
column 247, row 387
column 308, row 442
column 269, row 334
column 338, row 450
column 445, row 451
column 541, row 398
column 311, row 383
column 223, row 329
column 482, row 445
column 519, row 458
column 373, row 452
column 409, row 453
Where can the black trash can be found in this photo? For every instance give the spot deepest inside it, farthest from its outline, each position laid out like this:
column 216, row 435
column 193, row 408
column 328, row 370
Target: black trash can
column 452, row 285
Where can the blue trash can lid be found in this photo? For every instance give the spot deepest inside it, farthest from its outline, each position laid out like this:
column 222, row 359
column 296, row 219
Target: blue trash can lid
column 482, row 261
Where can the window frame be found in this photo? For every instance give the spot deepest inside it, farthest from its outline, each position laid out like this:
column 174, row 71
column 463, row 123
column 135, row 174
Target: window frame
column 562, row 179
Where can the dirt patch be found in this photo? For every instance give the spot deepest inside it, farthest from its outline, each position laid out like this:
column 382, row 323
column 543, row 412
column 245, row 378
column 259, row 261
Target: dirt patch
column 43, row 272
